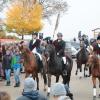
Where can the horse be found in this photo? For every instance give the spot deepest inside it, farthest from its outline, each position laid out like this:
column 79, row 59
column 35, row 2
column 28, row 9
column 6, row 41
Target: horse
column 31, row 66
column 55, row 66
column 94, row 64
column 82, row 58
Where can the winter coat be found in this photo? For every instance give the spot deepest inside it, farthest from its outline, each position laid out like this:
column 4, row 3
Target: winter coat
column 6, row 62
column 34, row 95
column 16, row 60
column 36, row 45
column 59, row 47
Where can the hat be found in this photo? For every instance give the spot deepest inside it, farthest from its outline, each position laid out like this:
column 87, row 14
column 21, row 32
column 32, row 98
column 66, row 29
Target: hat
column 29, row 84
column 98, row 38
column 35, row 33
column 58, row 89
column 59, row 34
column 21, row 42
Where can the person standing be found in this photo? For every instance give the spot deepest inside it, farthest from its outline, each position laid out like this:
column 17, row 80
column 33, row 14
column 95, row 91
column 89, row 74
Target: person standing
column 16, row 65
column 1, row 70
column 7, row 66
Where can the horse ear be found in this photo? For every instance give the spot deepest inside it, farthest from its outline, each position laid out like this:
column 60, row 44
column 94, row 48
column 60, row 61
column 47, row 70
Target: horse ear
column 20, row 47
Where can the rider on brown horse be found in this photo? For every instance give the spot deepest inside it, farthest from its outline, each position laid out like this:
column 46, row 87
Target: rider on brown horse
column 34, row 46
column 96, row 47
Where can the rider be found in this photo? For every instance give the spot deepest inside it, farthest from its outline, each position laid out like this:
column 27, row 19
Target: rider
column 34, row 46
column 96, row 47
column 59, row 44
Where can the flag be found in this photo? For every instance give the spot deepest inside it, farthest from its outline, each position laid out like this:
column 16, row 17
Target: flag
column 57, row 23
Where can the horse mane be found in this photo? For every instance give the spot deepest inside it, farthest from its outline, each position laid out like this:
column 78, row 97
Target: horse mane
column 27, row 55
column 51, row 47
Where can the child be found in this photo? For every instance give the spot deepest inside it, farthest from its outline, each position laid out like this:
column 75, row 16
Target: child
column 16, row 59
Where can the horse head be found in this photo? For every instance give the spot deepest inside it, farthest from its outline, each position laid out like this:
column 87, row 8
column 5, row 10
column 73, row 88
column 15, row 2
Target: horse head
column 49, row 51
column 93, row 61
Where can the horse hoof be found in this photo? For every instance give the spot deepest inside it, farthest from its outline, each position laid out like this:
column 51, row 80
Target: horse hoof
column 75, row 73
column 44, row 89
column 80, row 77
column 85, row 75
column 48, row 94
column 99, row 95
column 94, row 97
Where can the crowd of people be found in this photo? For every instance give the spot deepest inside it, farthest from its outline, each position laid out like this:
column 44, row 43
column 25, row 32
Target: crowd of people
column 10, row 60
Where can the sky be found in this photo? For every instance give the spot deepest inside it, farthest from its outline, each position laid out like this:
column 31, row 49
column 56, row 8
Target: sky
column 82, row 15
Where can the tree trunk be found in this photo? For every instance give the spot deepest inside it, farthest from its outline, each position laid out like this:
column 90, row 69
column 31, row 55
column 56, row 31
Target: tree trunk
column 22, row 37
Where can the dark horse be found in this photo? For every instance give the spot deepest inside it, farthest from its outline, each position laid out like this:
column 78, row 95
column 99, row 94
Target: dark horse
column 31, row 66
column 94, row 64
column 82, row 58
column 55, row 66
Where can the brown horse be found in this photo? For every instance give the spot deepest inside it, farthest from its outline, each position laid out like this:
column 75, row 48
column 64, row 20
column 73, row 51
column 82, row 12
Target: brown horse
column 94, row 64
column 30, row 64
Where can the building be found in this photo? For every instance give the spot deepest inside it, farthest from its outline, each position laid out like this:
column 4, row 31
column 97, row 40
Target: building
column 96, row 32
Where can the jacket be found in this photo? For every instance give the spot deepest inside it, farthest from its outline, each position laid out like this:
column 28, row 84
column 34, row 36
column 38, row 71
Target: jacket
column 33, row 95
column 16, row 60
column 36, row 45
column 59, row 47
column 96, row 48
column 6, row 62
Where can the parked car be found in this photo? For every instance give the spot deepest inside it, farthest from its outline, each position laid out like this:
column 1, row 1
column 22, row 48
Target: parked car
column 73, row 52
column 70, row 49
column 75, row 45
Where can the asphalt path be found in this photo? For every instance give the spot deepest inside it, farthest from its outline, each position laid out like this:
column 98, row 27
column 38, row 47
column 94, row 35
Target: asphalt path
column 82, row 89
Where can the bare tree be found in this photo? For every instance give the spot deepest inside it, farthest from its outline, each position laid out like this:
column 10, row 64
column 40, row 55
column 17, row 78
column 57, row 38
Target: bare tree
column 51, row 7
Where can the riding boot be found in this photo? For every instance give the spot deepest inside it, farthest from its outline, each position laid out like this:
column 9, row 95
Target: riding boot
column 8, row 83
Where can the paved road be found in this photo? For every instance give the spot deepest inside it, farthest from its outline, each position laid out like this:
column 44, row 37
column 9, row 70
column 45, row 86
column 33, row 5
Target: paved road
column 81, row 88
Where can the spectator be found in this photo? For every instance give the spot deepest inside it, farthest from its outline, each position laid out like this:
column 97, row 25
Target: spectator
column 30, row 92
column 7, row 66
column 1, row 70
column 4, row 96
column 58, row 92
column 16, row 65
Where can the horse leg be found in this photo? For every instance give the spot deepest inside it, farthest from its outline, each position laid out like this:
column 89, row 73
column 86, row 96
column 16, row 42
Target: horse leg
column 66, row 80
column 57, row 78
column 80, row 73
column 86, row 71
column 45, row 81
column 99, row 86
column 37, row 79
column 94, row 86
column 49, row 84
column 77, row 69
